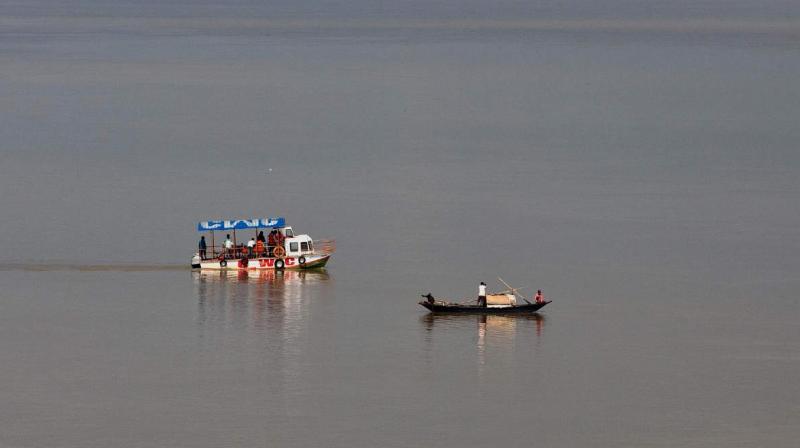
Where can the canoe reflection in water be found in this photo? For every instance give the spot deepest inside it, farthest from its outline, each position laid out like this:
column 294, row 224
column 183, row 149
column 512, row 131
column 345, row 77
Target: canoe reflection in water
column 495, row 335
column 257, row 299
column 502, row 327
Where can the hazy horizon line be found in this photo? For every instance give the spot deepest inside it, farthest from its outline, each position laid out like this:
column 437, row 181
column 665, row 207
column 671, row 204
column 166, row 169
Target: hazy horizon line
column 784, row 27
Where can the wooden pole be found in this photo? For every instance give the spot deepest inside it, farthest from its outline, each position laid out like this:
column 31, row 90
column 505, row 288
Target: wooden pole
column 513, row 290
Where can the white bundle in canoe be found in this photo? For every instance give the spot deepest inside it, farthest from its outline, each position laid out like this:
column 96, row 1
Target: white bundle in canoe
column 500, row 300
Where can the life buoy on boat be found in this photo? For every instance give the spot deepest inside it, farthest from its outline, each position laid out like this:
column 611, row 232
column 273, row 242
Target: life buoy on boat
column 278, row 264
column 278, row 252
column 301, row 260
column 223, row 263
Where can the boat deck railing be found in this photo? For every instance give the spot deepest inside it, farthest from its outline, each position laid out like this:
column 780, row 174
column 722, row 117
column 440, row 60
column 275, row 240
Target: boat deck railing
column 325, row 247
column 321, row 247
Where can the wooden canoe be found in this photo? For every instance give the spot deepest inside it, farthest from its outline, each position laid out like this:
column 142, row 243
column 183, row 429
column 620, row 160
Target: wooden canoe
column 438, row 306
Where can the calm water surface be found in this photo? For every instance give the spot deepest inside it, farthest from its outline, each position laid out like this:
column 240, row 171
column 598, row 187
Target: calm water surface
column 647, row 181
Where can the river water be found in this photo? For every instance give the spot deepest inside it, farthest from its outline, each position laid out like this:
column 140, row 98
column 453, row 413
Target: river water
column 641, row 169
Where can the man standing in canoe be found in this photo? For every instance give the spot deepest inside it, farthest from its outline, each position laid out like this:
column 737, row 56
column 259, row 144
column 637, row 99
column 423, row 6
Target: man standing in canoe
column 482, row 294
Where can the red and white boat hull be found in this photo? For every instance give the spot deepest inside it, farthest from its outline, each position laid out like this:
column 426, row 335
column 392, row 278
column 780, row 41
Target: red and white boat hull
column 301, row 262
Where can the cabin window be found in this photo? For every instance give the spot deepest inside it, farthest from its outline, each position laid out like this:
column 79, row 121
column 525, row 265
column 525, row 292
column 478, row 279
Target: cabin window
column 310, row 245
column 304, row 246
column 289, row 233
column 292, row 247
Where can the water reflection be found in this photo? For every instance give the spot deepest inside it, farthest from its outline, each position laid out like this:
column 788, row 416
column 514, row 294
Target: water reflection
column 502, row 328
column 257, row 299
column 259, row 321
column 497, row 334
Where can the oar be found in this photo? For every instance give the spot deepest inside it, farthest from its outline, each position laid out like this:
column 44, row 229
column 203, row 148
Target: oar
column 513, row 291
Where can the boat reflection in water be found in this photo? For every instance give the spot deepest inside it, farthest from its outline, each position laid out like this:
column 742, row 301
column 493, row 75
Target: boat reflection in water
column 497, row 334
column 258, row 300
column 502, row 327
column 254, row 326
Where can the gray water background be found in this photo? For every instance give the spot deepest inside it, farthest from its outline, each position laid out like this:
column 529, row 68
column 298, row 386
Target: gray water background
column 638, row 162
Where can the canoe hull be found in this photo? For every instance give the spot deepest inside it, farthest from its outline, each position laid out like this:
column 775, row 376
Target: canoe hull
column 444, row 307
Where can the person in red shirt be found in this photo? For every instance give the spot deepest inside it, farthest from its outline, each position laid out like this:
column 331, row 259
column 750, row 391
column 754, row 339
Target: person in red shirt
column 271, row 241
column 539, row 298
column 259, row 248
column 279, row 238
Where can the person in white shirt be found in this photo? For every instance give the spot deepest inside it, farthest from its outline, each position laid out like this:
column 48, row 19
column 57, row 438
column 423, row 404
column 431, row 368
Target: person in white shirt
column 228, row 246
column 482, row 294
column 250, row 246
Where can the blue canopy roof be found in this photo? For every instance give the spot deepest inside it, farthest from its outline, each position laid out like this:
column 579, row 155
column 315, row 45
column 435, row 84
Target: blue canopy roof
column 237, row 224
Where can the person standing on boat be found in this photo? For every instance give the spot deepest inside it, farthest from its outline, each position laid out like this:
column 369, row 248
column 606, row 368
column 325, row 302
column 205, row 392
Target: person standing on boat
column 539, row 298
column 228, row 245
column 259, row 248
column 482, row 294
column 202, row 247
column 271, row 241
column 250, row 246
column 279, row 238
column 260, row 239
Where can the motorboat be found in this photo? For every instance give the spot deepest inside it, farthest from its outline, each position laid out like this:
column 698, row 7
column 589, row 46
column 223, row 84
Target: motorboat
column 284, row 249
